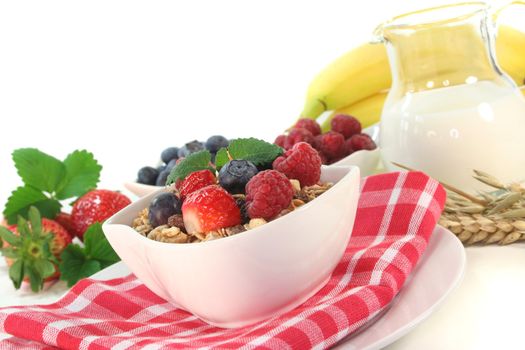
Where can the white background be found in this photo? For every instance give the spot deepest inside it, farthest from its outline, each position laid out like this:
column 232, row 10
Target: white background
column 125, row 79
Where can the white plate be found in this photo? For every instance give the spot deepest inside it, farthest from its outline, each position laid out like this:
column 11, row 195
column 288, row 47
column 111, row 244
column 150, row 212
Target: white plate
column 367, row 161
column 438, row 273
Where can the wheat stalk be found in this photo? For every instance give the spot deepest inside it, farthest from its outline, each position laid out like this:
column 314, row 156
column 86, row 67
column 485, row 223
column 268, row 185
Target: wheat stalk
column 496, row 217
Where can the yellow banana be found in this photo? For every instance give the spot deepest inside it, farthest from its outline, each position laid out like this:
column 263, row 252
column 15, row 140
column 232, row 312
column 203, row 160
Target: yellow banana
column 510, row 51
column 365, row 71
column 352, row 77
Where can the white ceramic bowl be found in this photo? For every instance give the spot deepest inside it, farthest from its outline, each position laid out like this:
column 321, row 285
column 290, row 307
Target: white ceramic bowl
column 252, row 276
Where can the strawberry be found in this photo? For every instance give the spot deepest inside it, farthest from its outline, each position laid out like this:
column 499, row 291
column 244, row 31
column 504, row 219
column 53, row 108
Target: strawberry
column 195, row 181
column 96, row 206
column 32, row 250
column 66, row 221
column 210, row 209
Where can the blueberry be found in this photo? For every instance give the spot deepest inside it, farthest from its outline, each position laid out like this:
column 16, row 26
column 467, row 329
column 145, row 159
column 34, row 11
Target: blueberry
column 169, row 154
column 147, row 175
column 215, row 143
column 189, row 148
column 161, row 168
column 162, row 178
column 241, row 203
column 171, row 164
column 162, row 207
column 235, row 174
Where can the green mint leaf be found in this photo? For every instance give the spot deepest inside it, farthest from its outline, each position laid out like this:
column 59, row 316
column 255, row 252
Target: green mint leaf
column 194, row 162
column 82, row 174
column 16, row 273
column 221, row 158
column 75, row 265
column 24, row 197
column 97, row 246
column 257, row 151
column 39, row 170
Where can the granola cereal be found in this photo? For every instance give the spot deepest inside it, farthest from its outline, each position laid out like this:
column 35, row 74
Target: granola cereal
column 141, row 223
column 175, row 232
column 168, row 234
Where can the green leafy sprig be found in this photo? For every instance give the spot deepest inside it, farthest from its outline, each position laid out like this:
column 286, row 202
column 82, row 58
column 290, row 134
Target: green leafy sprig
column 258, row 152
column 48, row 180
column 79, row 262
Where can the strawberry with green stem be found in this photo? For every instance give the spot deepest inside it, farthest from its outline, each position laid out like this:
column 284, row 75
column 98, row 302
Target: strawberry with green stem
column 32, row 251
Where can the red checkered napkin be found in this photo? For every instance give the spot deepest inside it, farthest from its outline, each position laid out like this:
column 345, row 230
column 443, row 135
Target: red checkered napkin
column 396, row 216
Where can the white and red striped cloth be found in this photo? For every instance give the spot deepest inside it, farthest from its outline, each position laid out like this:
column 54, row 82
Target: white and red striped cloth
column 396, row 216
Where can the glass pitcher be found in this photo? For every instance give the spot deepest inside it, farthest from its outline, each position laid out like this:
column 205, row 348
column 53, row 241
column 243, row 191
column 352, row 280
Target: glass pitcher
column 451, row 109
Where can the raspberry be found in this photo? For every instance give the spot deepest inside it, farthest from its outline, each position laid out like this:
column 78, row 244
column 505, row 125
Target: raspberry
column 210, row 209
column 297, row 135
column 66, row 221
column 317, row 142
column 359, row 142
column 324, row 160
column 310, row 125
column 195, row 181
column 280, row 140
column 302, row 163
column 267, row 194
column 332, row 145
column 346, row 125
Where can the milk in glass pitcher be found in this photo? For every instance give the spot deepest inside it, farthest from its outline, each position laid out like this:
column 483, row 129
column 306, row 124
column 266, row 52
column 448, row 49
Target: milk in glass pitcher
column 451, row 109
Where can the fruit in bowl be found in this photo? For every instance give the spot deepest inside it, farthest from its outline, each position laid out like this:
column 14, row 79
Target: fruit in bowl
column 344, row 138
column 210, row 201
column 157, row 176
column 239, row 278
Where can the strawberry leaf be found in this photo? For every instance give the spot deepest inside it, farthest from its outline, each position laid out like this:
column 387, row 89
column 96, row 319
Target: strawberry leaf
column 16, row 273
column 23, row 197
column 97, row 246
column 9, row 252
column 78, row 262
column 29, row 251
column 44, row 267
column 35, row 278
column 9, row 236
column 38, row 169
column 194, row 162
column 257, row 151
column 35, row 219
column 82, row 174
column 76, row 265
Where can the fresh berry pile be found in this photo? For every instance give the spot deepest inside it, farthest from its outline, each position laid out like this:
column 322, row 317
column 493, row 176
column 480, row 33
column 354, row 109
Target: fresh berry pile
column 157, row 176
column 249, row 183
column 344, row 138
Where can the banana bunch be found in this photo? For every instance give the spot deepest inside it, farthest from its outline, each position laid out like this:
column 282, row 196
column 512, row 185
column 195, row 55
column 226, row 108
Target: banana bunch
column 357, row 83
